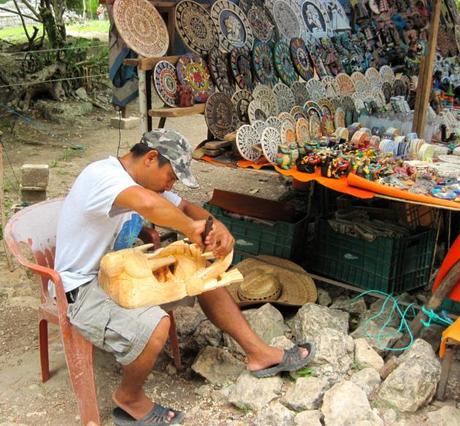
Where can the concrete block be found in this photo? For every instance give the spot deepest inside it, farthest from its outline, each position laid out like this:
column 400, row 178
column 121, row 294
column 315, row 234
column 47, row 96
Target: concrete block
column 125, row 123
column 35, row 175
column 31, row 196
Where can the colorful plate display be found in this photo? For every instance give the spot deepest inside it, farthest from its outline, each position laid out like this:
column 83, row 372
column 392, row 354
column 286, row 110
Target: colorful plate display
column 165, row 80
column 192, row 71
column 301, row 95
column 246, row 138
column 301, row 59
column 270, row 141
column 346, row 85
column 262, row 60
column 263, row 27
column 141, row 27
column 284, row 96
column 286, row 14
column 241, row 100
column 220, row 115
column 283, row 63
column 240, row 65
column 232, row 24
column 220, row 72
column 196, row 27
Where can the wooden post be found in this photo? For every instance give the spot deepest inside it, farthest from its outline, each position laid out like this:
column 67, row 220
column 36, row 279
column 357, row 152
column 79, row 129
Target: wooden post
column 426, row 73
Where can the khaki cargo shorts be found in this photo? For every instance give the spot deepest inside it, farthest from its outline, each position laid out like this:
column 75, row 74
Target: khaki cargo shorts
column 123, row 332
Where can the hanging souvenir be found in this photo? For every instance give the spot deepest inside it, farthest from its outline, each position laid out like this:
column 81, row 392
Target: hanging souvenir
column 301, row 59
column 283, row 63
column 286, row 14
column 192, row 71
column 141, row 27
column 233, row 25
column 262, row 60
column 240, row 66
column 262, row 24
column 196, row 27
column 246, row 140
column 337, row 15
column 165, row 81
column 241, row 99
column 220, row 72
column 284, row 96
column 220, row 115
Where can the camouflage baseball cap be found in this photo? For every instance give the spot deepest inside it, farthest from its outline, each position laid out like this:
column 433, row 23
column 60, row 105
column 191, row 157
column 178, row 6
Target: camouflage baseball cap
column 176, row 149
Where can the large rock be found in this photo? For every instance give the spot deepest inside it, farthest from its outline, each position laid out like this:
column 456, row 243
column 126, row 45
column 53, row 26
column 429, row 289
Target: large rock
column 275, row 414
column 413, row 383
column 207, row 334
column 312, row 319
column 281, row 342
column 378, row 338
column 446, row 416
column 352, row 306
column 187, row 319
column 346, row 404
column 252, row 393
column 334, row 354
column 217, row 365
column 323, row 297
column 267, row 322
column 308, row 418
column 59, row 111
column 368, row 379
column 366, row 356
column 306, row 393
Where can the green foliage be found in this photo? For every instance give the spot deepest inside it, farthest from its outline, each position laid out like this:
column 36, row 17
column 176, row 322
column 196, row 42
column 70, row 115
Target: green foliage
column 77, row 6
column 304, row 372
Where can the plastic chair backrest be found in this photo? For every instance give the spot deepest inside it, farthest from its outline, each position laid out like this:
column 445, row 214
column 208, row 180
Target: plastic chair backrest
column 33, row 229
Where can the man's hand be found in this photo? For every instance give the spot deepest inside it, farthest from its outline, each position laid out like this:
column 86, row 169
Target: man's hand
column 219, row 240
column 194, row 231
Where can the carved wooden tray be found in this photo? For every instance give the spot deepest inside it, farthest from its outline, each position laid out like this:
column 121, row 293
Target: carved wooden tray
column 220, row 71
column 220, row 115
column 240, row 65
column 165, row 81
column 262, row 60
column 283, row 63
column 241, row 99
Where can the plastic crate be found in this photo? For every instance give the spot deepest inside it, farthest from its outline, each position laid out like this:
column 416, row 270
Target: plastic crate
column 451, row 306
column 282, row 239
column 391, row 265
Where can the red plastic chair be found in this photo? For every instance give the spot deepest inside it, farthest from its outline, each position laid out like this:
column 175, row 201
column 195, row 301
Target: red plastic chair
column 31, row 233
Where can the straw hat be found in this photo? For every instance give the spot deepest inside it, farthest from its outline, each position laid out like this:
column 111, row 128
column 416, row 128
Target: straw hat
column 269, row 279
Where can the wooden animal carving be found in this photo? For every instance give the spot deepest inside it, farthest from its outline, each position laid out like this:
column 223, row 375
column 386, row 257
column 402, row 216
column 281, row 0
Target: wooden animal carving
column 134, row 278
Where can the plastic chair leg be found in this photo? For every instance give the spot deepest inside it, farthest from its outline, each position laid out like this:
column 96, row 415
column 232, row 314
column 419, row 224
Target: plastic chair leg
column 79, row 357
column 43, row 344
column 174, row 342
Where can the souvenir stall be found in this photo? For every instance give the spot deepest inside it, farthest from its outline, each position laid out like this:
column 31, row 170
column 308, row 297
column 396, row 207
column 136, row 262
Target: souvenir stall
column 319, row 91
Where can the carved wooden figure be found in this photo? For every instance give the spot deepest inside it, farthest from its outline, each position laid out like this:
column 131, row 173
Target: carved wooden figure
column 134, row 278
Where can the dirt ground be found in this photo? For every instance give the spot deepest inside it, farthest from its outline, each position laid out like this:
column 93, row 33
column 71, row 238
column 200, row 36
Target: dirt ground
column 68, row 148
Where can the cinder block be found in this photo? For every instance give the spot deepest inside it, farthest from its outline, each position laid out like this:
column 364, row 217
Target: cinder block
column 125, row 123
column 35, row 175
column 31, row 196
column 457, row 151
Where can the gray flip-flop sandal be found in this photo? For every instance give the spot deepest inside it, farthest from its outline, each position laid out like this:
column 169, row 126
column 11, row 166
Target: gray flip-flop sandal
column 157, row 417
column 292, row 361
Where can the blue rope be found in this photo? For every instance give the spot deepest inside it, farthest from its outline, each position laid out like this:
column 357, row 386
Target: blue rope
column 442, row 319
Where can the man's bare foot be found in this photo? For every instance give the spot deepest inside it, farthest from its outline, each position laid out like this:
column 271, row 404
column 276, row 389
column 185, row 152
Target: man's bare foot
column 270, row 358
column 137, row 406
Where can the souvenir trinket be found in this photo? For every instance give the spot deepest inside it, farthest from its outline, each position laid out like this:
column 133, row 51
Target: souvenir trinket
column 315, row 17
column 196, row 27
column 287, row 156
column 246, row 139
column 184, row 96
column 233, row 26
column 301, row 59
column 286, row 15
column 308, row 163
column 241, row 100
column 387, row 91
column 165, row 80
column 262, row 60
column 259, row 126
column 270, row 141
column 284, row 96
column 283, row 63
column 285, row 116
column 346, row 85
column 263, row 27
column 316, row 89
column 193, row 71
column 314, row 118
column 141, row 27
column 240, row 65
column 387, row 74
column 287, row 133
column 399, row 88
column 220, row 73
column 220, row 115
column 330, row 86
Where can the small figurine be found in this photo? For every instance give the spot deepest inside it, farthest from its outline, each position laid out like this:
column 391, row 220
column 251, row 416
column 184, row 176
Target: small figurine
column 287, row 156
column 185, row 96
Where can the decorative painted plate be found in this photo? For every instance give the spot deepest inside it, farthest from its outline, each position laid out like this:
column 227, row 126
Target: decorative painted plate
column 316, row 89
column 284, row 96
column 359, row 101
column 287, row 133
column 220, row 115
column 256, row 111
column 311, row 104
column 165, row 80
column 262, row 61
column 387, row 91
column 232, row 24
column 298, row 115
column 285, row 116
column 399, row 88
column 274, row 122
column 259, row 126
column 331, row 86
column 387, row 74
column 327, row 103
column 302, row 130
column 196, row 27
column 220, row 72
column 314, row 120
column 141, row 27
column 263, row 27
column 270, row 141
column 283, row 63
column 374, row 77
column 266, row 96
column 301, row 59
column 357, row 76
column 339, row 118
column 192, row 71
column 346, row 85
column 301, row 95
column 351, row 115
column 286, row 14
column 315, row 17
column 246, row 138
column 241, row 100
column 240, row 65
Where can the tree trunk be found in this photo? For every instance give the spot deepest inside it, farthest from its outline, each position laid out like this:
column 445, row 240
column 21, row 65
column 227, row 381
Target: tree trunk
column 51, row 14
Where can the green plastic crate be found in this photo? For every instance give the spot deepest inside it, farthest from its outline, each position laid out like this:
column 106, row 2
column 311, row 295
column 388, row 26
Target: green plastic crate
column 451, row 306
column 391, row 265
column 281, row 239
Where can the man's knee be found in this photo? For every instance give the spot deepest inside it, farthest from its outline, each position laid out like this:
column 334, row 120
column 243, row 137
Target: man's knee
column 161, row 332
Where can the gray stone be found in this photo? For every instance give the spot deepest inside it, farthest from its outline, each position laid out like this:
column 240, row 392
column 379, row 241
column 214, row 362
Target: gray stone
column 275, row 414
column 352, row 306
column 125, row 123
column 207, row 334
column 308, row 418
column 376, row 337
column 365, row 356
column 35, row 175
column 368, row 379
column 252, row 393
column 217, row 365
column 446, row 416
column 267, row 322
column 306, row 393
column 187, row 320
column 413, row 383
column 59, row 111
column 323, row 297
column 281, row 342
column 81, row 94
column 346, row 404
column 312, row 319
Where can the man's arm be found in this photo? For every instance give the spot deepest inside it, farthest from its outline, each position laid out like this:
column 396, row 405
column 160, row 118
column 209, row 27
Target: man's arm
column 219, row 240
column 156, row 209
